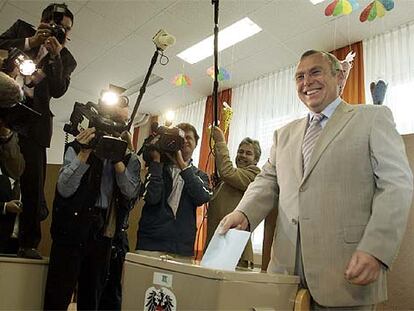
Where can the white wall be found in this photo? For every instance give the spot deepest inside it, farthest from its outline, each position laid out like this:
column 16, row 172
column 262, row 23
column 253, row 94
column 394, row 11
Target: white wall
column 57, row 145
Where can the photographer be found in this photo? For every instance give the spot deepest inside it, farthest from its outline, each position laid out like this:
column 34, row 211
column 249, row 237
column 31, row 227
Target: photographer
column 172, row 193
column 46, row 46
column 11, row 168
column 111, row 298
column 85, row 211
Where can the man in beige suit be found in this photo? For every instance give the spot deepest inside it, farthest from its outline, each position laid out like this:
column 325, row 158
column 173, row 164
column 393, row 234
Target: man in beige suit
column 342, row 185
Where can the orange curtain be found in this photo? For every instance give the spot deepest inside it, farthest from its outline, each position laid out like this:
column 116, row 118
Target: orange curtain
column 354, row 92
column 206, row 163
column 135, row 137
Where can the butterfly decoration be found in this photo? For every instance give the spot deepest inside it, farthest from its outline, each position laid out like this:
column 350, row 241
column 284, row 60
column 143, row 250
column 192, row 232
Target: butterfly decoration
column 181, row 80
column 376, row 8
column 341, row 7
column 223, row 75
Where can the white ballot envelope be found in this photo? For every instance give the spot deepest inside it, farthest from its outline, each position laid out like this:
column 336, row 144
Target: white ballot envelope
column 224, row 251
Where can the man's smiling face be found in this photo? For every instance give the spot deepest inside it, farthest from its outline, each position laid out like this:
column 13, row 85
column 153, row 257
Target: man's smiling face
column 317, row 83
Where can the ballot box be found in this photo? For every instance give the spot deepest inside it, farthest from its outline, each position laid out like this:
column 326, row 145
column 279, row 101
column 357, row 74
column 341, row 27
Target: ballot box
column 22, row 283
column 151, row 283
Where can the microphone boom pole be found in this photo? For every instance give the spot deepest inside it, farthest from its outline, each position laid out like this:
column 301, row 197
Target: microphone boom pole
column 216, row 67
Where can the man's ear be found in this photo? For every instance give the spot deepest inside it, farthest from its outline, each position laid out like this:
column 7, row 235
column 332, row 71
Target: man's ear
column 340, row 75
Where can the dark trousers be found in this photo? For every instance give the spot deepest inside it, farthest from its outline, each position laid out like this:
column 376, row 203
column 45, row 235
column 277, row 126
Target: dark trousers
column 9, row 246
column 32, row 188
column 112, row 294
column 85, row 265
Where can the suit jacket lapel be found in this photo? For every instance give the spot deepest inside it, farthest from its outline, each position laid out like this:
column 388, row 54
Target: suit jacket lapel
column 336, row 123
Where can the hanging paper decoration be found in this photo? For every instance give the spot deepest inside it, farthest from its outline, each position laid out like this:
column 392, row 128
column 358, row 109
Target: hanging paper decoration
column 347, row 65
column 181, row 80
column 376, row 8
column 378, row 91
column 223, row 75
column 341, row 7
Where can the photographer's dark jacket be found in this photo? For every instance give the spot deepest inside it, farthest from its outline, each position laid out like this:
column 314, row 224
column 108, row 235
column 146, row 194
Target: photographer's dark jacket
column 11, row 167
column 77, row 192
column 161, row 230
column 55, row 84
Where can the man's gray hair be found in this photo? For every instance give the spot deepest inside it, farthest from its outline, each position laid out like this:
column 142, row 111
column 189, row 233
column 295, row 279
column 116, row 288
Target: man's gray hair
column 335, row 64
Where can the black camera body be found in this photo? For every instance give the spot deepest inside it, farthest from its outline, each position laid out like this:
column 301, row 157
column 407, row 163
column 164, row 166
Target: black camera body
column 58, row 31
column 106, row 144
column 164, row 140
column 55, row 27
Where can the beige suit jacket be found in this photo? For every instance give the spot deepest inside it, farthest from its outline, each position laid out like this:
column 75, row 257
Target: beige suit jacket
column 356, row 194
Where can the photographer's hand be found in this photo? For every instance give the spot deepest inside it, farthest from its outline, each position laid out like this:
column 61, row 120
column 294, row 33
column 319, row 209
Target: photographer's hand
column 178, row 160
column 42, row 33
column 53, row 46
column 5, row 132
column 155, row 156
column 13, row 206
column 84, row 138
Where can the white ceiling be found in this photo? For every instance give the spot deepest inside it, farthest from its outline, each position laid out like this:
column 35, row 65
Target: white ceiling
column 111, row 41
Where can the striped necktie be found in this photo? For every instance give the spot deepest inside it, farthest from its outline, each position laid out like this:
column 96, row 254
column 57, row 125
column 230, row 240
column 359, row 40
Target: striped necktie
column 311, row 136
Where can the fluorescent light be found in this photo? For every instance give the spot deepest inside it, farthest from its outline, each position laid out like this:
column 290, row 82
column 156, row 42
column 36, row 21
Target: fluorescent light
column 227, row 37
column 316, row 1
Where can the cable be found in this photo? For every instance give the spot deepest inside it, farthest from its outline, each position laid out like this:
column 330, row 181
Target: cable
column 163, row 56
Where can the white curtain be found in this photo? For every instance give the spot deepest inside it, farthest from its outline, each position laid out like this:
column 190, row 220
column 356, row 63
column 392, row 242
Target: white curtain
column 193, row 114
column 390, row 57
column 260, row 107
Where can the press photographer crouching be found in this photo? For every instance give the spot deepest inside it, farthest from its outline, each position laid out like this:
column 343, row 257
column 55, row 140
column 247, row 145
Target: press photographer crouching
column 174, row 188
column 11, row 168
column 88, row 193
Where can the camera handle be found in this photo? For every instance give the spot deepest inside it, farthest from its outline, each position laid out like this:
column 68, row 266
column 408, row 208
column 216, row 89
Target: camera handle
column 143, row 87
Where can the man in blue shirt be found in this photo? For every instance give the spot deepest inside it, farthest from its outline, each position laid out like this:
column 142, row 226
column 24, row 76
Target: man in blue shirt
column 88, row 194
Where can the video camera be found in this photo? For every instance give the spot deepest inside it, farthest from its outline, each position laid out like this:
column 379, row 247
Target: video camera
column 164, row 140
column 112, row 147
column 107, row 144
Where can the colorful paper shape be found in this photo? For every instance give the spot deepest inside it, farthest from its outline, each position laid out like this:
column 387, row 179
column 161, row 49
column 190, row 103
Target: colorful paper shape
column 223, row 75
column 341, row 7
column 181, row 80
column 376, row 8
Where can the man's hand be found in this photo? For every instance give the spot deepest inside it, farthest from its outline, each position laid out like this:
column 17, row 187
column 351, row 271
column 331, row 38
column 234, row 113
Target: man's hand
column 218, row 135
column 42, row 33
column 177, row 159
column 236, row 220
column 362, row 269
column 84, row 138
column 5, row 132
column 13, row 206
column 53, row 46
column 155, row 155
